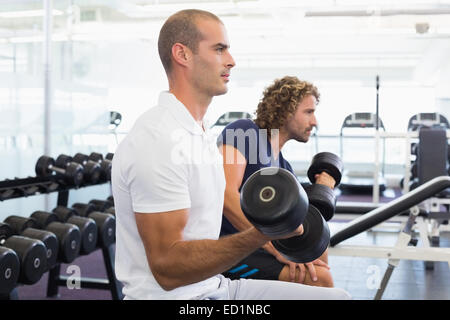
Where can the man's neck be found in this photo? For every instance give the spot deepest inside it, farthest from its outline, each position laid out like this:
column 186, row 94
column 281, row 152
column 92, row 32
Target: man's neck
column 196, row 103
column 277, row 141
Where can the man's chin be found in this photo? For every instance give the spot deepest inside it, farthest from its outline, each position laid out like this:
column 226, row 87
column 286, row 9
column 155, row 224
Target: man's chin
column 221, row 92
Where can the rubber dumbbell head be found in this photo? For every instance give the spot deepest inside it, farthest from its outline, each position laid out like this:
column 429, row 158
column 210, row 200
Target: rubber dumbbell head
column 87, row 227
column 323, row 198
column 105, row 165
column 106, row 223
column 31, row 254
column 106, row 228
column 273, row 200
column 27, row 227
column 72, row 173
column 311, row 244
column 63, row 160
column 9, row 270
column 92, row 170
column 69, row 235
column 326, row 162
column 109, row 156
column 101, row 205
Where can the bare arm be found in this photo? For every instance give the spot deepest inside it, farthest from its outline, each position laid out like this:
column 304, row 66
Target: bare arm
column 176, row 262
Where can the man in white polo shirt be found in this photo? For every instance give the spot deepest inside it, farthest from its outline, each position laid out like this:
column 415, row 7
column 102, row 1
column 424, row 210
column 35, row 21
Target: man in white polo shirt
column 168, row 183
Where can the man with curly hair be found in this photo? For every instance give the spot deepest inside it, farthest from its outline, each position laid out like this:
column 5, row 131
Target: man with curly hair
column 285, row 112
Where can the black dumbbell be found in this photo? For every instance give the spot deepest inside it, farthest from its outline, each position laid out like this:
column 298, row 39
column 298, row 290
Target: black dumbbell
column 109, row 156
column 91, row 171
column 414, row 170
column 110, row 199
column 87, row 226
column 101, row 205
column 32, row 254
column 9, row 270
column 69, row 235
column 326, row 162
column 72, row 173
column 105, row 164
column 27, row 227
column 106, row 223
column 276, row 204
column 323, row 198
column 320, row 196
column 414, row 148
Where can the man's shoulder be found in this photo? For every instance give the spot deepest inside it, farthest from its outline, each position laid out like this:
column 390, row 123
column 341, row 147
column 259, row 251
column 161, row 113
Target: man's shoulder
column 243, row 124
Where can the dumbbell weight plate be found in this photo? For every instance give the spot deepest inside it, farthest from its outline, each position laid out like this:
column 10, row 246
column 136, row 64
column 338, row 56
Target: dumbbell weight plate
column 89, row 233
column 95, row 156
column 83, row 209
column 106, row 224
column 100, row 205
column 323, row 198
column 50, row 241
column 9, row 270
column 74, row 173
column 32, row 255
column 328, row 162
column 5, row 231
column 273, row 200
column 111, row 210
column 109, row 156
column 18, row 224
column 42, row 166
column 311, row 244
column 92, row 172
column 69, row 237
column 87, row 227
column 62, row 160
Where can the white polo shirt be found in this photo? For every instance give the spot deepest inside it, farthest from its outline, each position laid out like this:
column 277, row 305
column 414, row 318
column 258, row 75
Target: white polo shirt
column 165, row 163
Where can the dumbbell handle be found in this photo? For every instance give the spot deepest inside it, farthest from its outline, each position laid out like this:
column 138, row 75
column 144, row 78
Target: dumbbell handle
column 57, row 169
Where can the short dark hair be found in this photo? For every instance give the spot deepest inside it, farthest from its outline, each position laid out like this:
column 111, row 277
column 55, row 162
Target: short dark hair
column 181, row 28
column 281, row 100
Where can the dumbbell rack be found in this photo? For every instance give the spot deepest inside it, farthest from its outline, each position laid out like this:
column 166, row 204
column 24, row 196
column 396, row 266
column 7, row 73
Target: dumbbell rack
column 24, row 187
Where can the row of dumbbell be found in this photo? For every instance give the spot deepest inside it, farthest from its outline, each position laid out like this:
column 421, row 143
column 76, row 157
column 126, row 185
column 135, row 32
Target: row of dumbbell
column 31, row 246
column 77, row 169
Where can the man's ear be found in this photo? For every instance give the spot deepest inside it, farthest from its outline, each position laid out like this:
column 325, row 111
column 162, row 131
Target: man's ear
column 181, row 54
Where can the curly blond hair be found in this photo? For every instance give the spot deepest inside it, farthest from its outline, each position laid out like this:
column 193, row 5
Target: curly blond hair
column 281, row 100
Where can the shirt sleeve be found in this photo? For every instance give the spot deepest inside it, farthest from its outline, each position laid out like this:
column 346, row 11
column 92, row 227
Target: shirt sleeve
column 158, row 182
column 242, row 135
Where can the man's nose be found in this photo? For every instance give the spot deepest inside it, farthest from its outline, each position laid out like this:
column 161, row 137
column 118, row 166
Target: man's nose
column 230, row 61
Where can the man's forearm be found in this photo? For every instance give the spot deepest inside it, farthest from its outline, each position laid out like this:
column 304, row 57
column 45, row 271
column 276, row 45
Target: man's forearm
column 192, row 261
column 233, row 212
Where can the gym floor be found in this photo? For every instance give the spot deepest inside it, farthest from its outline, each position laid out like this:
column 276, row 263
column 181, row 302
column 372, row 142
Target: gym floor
column 411, row 280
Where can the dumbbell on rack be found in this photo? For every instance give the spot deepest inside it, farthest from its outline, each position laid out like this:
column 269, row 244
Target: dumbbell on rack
column 87, row 226
column 106, row 222
column 32, row 254
column 9, row 270
column 101, row 205
column 69, row 235
column 72, row 173
column 27, row 227
column 109, row 156
column 105, row 164
column 91, row 171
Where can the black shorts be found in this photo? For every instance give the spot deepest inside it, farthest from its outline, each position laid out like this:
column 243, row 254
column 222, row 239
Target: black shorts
column 258, row 265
